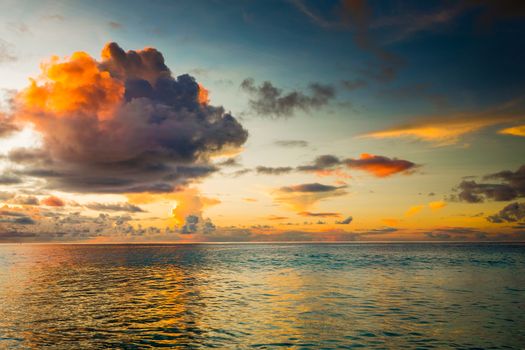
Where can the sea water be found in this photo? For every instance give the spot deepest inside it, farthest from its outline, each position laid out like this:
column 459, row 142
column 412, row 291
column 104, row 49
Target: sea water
column 263, row 296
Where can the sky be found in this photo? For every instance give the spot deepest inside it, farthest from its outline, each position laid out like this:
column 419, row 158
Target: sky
column 261, row 121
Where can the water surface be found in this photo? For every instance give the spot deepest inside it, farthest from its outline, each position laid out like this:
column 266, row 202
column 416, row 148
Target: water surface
column 263, row 296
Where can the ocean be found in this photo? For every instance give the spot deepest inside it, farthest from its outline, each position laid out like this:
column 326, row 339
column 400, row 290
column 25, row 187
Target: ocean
column 263, row 296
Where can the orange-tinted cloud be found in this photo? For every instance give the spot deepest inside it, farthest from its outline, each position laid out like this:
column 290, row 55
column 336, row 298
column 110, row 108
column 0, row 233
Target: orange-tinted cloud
column 333, row 172
column 276, row 218
column 186, row 202
column 446, row 130
column 322, row 215
column 122, row 124
column 437, row 205
column 203, row 95
column 75, row 85
column 413, row 210
column 53, row 201
column 391, row 221
column 515, row 131
column 380, row 166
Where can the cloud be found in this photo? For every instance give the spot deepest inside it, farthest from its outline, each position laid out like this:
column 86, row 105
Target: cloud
column 323, row 215
column 6, row 195
column 9, row 179
column 303, row 196
column 437, row 205
column 5, row 52
column 230, row 162
column 321, row 163
column 511, row 186
column 263, row 170
column 188, row 201
column 291, row 143
column 39, row 224
column 190, row 225
column 514, row 212
column 122, row 124
column 240, row 172
column 53, row 201
column 127, row 207
column 499, row 10
column 356, row 15
column 413, row 210
column 352, row 85
column 455, row 234
column 268, row 100
column 115, row 25
column 264, row 233
column 415, row 91
column 24, row 155
column 330, row 165
column 380, row 166
column 346, row 221
column 7, row 126
column 408, row 24
column 473, row 192
column 391, row 221
column 514, row 130
column 444, row 130
column 311, row 187
column 24, row 200
column 276, row 218
column 194, row 224
column 54, row 17
column 16, row 218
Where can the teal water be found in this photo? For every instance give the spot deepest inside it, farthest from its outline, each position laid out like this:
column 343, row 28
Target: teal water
column 263, row 296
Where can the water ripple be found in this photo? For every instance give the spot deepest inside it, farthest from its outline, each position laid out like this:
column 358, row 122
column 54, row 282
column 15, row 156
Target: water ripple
column 410, row 296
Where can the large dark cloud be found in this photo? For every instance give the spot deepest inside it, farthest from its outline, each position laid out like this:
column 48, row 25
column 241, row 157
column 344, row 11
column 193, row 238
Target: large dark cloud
column 514, row 212
column 128, row 125
column 510, row 185
column 268, row 100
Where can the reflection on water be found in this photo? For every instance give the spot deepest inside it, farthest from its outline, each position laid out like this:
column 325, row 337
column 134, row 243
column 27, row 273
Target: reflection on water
column 262, row 296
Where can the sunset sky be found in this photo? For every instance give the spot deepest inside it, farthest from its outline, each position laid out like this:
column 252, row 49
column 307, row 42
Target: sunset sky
column 183, row 121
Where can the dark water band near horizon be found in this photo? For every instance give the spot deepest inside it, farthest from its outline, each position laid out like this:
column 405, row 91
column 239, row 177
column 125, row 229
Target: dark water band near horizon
column 263, row 296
